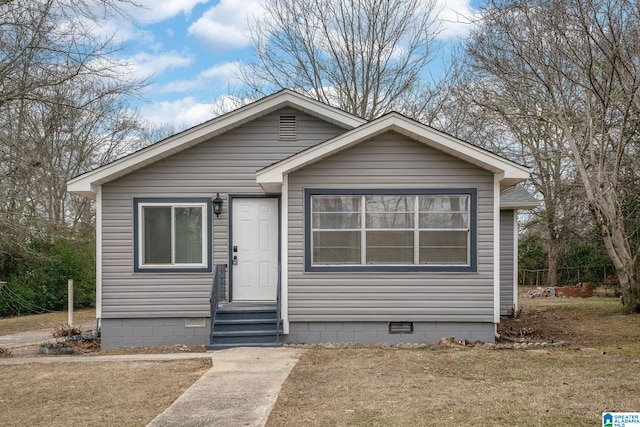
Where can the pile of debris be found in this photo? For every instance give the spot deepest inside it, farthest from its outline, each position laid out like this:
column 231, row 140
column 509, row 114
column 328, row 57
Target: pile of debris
column 580, row 290
column 539, row 292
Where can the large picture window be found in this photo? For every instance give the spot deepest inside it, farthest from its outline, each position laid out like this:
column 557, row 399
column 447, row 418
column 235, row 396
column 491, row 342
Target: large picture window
column 172, row 235
column 377, row 230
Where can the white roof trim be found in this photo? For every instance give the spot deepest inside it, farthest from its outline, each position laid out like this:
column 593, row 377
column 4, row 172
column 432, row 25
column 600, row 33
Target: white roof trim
column 86, row 184
column 509, row 172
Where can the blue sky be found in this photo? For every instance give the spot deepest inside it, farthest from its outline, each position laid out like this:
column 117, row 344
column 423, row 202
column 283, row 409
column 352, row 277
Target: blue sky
column 191, row 49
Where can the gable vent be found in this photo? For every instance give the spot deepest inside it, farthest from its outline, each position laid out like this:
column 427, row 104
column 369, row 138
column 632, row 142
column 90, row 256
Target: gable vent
column 287, row 128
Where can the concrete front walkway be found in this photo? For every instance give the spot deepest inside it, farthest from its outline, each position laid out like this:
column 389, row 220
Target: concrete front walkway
column 239, row 390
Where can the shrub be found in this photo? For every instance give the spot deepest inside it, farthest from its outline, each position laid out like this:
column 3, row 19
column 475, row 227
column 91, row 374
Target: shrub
column 39, row 282
column 65, row 330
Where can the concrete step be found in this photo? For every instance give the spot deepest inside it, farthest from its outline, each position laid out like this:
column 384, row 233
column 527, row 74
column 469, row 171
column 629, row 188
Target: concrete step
column 245, row 313
column 245, row 325
column 212, row 347
column 240, row 337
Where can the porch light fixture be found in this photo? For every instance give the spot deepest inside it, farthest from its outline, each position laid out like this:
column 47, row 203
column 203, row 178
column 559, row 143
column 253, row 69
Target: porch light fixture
column 217, row 205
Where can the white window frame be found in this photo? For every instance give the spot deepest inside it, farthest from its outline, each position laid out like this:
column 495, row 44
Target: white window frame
column 173, row 265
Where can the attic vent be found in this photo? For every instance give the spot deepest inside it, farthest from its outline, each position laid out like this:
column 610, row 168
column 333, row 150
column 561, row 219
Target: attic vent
column 194, row 322
column 400, row 327
column 287, row 128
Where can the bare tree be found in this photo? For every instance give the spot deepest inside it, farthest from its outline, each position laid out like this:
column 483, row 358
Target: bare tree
column 570, row 69
column 64, row 109
column 359, row 55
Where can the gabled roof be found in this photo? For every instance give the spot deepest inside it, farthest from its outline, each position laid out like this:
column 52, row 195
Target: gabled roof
column 509, row 173
column 87, row 184
column 518, row 198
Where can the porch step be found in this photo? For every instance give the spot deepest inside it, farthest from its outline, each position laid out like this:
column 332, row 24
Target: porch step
column 255, row 344
column 244, row 326
column 243, row 313
column 237, row 337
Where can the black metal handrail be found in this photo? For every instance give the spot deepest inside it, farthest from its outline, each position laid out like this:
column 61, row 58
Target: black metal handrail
column 278, row 305
column 218, row 283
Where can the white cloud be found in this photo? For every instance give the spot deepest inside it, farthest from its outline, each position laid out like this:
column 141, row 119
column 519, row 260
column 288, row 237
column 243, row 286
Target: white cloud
column 225, row 26
column 456, row 17
column 142, row 13
column 185, row 112
column 219, row 76
column 147, row 65
column 153, row 11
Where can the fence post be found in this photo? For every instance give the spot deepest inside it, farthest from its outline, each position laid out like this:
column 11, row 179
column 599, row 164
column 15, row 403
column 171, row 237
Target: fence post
column 70, row 302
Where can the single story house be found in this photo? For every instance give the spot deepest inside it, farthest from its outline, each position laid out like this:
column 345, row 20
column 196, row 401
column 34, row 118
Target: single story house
column 288, row 220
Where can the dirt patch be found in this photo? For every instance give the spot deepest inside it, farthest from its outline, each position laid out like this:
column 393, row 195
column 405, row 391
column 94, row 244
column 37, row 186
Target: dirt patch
column 93, row 394
column 11, row 325
column 586, row 322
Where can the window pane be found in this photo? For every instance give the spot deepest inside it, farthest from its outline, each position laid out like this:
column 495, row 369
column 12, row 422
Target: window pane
column 335, row 203
column 337, row 221
column 390, row 211
column 444, row 211
column 389, row 220
column 390, row 247
column 336, row 247
column 443, row 247
column 188, row 235
column 156, row 235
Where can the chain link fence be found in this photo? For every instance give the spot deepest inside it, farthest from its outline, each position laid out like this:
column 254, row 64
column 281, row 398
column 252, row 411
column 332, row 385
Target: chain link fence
column 569, row 276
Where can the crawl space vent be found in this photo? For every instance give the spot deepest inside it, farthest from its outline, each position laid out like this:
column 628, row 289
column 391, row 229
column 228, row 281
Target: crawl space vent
column 400, row 327
column 194, row 322
column 287, row 128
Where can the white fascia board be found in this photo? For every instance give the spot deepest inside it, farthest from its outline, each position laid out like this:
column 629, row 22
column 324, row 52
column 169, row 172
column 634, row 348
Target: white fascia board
column 86, row 184
column 518, row 206
column 509, row 172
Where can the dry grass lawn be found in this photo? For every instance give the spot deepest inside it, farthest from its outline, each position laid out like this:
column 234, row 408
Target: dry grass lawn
column 93, row 393
column 475, row 387
column 11, row 325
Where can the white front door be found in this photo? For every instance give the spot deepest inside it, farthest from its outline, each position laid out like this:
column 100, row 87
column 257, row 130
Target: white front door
column 254, row 249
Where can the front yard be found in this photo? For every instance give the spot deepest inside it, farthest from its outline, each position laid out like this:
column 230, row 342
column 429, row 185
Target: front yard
column 465, row 386
column 452, row 385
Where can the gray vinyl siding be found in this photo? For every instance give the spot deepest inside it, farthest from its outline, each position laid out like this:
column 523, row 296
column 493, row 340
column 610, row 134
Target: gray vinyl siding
column 225, row 165
column 391, row 161
column 507, row 219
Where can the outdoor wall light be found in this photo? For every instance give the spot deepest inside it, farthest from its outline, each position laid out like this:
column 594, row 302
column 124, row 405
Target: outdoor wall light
column 217, row 205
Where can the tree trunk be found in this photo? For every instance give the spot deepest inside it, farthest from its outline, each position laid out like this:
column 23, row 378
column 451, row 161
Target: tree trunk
column 553, row 252
column 625, row 265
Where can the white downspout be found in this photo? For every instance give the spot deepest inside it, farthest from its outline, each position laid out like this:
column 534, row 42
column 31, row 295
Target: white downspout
column 284, row 254
column 496, row 249
column 98, row 256
column 515, row 261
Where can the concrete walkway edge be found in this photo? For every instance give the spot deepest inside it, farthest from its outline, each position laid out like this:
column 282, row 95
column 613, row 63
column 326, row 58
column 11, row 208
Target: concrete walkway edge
column 106, row 358
column 240, row 389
